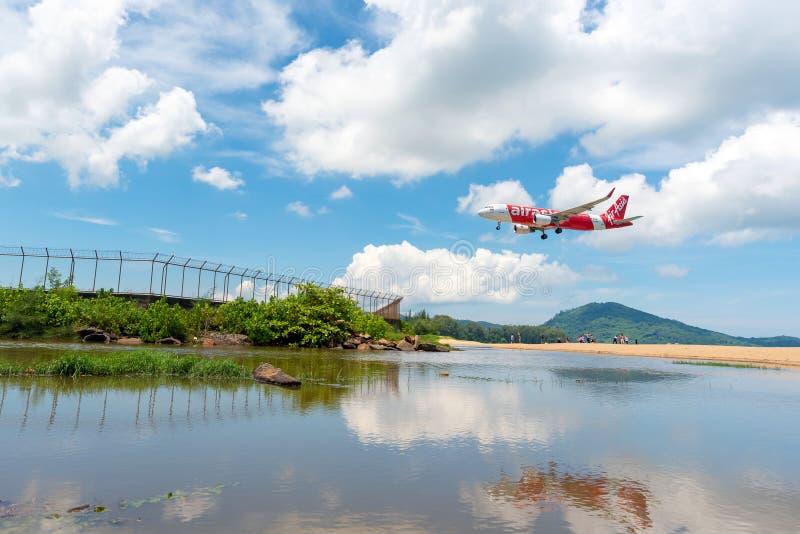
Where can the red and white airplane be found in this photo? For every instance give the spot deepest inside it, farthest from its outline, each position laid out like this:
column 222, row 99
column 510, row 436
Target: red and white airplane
column 528, row 219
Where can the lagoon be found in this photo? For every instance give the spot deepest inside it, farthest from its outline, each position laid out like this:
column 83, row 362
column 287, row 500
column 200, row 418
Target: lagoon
column 509, row 440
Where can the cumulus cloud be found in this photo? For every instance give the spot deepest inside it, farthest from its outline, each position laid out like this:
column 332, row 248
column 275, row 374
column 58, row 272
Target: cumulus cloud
column 507, row 192
column 62, row 98
column 216, row 177
column 167, row 236
column 300, row 208
column 342, row 193
column 670, row 270
column 239, row 215
column 460, row 274
column 746, row 189
column 458, row 81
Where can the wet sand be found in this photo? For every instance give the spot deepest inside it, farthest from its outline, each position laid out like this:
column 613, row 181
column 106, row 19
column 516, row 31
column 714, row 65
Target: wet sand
column 767, row 356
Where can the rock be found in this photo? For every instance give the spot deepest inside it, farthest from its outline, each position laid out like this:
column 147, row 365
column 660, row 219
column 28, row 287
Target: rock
column 444, row 373
column 208, row 342
column 229, row 340
column 366, row 337
column 377, row 346
column 268, row 374
column 405, row 345
column 81, row 508
column 130, row 341
column 337, row 347
column 83, row 332
column 168, row 341
column 97, row 337
column 432, row 347
column 351, row 343
column 363, row 346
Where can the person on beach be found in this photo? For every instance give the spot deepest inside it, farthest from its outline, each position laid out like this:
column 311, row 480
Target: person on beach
column 614, row 341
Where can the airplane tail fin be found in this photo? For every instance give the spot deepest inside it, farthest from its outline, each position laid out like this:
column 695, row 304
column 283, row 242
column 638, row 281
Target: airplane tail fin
column 617, row 209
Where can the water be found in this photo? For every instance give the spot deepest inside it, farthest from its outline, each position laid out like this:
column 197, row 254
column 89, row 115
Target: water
column 523, row 441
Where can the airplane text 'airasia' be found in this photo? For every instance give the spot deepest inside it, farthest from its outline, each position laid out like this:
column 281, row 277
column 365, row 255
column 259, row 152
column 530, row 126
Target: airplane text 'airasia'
column 528, row 219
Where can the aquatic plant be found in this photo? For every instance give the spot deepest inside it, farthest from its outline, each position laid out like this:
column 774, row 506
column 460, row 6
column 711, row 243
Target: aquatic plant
column 133, row 363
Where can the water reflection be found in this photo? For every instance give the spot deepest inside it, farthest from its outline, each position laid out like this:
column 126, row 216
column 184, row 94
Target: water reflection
column 619, row 500
column 508, row 441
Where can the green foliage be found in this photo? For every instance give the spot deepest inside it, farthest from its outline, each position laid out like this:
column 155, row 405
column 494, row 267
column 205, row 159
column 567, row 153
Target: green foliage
column 366, row 323
column 117, row 315
column 161, row 320
column 445, row 325
column 313, row 317
column 132, row 363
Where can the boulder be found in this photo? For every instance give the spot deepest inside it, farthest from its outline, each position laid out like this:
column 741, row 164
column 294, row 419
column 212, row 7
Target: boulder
column 97, row 337
column 168, row 341
column 432, row 347
column 351, row 343
column 363, row 346
column 226, row 340
column 377, row 346
column 130, row 341
column 268, row 374
column 405, row 345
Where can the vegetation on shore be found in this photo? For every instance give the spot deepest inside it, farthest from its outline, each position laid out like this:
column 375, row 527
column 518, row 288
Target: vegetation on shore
column 130, row 363
column 313, row 317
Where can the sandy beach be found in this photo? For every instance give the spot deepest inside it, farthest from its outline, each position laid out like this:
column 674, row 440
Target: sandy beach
column 767, row 356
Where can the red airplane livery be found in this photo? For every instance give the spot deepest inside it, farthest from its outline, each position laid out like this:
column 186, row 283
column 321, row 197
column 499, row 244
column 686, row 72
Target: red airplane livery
column 528, row 219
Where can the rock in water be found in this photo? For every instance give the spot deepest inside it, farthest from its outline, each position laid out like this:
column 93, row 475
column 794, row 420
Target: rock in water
column 432, row 347
column 269, row 374
column 405, row 345
column 168, row 341
column 98, row 337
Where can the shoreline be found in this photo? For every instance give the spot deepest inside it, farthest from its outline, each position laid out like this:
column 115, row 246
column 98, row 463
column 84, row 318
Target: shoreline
column 784, row 357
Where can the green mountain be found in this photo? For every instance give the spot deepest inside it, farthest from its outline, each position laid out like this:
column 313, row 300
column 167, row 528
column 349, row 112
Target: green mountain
column 606, row 319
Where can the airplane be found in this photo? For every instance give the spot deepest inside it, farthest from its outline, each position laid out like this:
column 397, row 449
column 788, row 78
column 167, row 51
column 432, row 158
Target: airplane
column 529, row 219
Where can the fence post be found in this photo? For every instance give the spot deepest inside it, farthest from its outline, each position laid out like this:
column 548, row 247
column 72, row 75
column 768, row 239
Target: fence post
column 46, row 266
column 199, row 274
column 119, row 276
column 94, row 279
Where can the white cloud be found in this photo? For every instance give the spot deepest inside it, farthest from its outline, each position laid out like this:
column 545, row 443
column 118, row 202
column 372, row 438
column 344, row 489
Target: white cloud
column 507, row 192
column 9, row 180
column 342, row 193
column 167, row 236
column 300, row 208
column 747, row 189
column 212, row 46
column 239, row 215
column 458, row 81
column 100, row 221
column 461, row 274
column 410, row 223
column 670, row 270
column 216, row 177
column 62, row 98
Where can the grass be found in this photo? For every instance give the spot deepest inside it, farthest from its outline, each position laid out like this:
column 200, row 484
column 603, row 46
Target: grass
column 721, row 364
column 134, row 363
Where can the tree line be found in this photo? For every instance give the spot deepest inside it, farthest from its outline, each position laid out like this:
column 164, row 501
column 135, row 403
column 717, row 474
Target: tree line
column 444, row 325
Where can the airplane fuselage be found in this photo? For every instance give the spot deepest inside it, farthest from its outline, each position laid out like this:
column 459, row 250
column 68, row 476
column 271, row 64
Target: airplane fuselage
column 539, row 218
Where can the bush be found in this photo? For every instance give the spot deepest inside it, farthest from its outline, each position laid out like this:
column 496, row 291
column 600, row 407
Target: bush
column 161, row 320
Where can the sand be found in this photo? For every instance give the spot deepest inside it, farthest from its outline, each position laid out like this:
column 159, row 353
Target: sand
column 766, row 356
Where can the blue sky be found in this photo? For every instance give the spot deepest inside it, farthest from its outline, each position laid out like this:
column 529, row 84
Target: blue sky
column 222, row 130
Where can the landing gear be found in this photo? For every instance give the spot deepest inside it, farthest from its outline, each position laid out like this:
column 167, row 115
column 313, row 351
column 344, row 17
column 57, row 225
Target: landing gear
column 544, row 235
column 559, row 230
column 497, row 227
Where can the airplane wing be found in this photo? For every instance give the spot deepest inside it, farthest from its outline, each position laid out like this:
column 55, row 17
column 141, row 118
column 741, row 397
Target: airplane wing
column 566, row 214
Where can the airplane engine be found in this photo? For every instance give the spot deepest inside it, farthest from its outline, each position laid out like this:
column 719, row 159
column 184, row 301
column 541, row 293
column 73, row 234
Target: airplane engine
column 541, row 220
column 522, row 229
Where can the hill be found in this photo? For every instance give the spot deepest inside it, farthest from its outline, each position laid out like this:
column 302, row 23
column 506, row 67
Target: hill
column 606, row 319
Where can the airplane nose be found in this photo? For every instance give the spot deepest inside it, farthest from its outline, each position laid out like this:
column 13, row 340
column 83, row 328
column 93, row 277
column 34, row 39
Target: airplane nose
column 483, row 212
